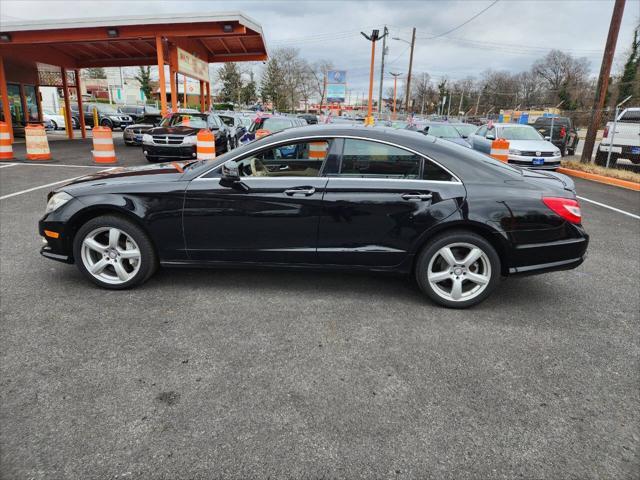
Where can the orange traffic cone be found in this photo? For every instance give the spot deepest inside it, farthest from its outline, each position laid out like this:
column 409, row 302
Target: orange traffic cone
column 500, row 149
column 37, row 144
column 103, row 150
column 206, row 145
column 6, row 150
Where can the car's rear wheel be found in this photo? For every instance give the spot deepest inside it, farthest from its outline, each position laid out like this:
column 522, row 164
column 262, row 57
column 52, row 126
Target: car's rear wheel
column 458, row 269
column 152, row 159
column 54, row 125
column 107, row 123
column 114, row 253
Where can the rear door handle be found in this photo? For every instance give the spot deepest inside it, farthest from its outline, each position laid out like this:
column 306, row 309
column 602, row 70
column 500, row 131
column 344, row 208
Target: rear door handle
column 417, row 196
column 306, row 191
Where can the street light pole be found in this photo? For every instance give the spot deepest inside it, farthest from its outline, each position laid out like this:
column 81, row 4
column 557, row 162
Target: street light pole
column 373, row 38
column 384, row 52
column 408, row 94
column 395, row 83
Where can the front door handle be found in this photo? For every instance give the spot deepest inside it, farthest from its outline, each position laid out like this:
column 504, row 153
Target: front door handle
column 306, row 191
column 417, row 196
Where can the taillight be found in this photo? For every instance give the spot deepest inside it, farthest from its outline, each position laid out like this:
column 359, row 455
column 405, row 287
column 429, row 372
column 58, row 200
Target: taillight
column 567, row 208
column 563, row 132
column 606, row 132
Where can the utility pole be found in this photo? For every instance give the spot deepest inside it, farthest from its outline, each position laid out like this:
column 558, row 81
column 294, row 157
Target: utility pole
column 373, row 38
column 384, row 52
column 478, row 102
column 603, row 80
column 449, row 106
column 408, row 94
column 424, row 92
column 395, row 83
column 461, row 97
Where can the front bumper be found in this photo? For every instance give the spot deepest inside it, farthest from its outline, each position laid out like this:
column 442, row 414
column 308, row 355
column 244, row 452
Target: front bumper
column 550, row 163
column 181, row 151
column 48, row 252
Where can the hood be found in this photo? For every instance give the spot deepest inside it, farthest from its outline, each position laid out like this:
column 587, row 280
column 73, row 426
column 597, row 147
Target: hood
column 532, row 145
column 164, row 172
column 139, row 125
column 178, row 130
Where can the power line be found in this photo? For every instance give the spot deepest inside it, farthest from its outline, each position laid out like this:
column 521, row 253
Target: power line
column 466, row 22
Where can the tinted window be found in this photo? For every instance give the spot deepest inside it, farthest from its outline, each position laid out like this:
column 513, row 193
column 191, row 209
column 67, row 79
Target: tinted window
column 520, row 133
column 482, row 131
column 434, row 172
column 150, row 119
column 631, row 116
column 185, row 119
column 227, row 120
column 302, row 159
column 363, row 158
column 442, row 131
column 272, row 124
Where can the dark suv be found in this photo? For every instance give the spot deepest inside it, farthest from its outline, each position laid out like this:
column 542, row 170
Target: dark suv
column 175, row 138
column 139, row 111
column 108, row 115
column 564, row 135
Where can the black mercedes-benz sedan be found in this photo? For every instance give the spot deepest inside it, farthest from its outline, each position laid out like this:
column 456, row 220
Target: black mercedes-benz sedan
column 324, row 197
column 175, row 137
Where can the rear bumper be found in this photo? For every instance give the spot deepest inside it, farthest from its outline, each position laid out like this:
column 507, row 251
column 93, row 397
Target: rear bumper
column 531, row 259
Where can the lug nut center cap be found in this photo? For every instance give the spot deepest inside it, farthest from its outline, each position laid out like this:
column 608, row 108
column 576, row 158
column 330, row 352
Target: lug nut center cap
column 113, row 254
column 457, row 271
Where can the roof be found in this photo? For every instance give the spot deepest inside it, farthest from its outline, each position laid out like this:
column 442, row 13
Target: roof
column 123, row 41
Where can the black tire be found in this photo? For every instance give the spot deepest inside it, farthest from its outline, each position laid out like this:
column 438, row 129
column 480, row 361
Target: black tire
column 105, row 122
column 54, row 125
column 75, row 123
column 152, row 159
column 457, row 237
column 571, row 151
column 601, row 158
column 148, row 258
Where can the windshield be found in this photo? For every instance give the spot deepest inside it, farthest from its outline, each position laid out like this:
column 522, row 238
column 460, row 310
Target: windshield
column 520, row 133
column 246, row 121
column 556, row 121
column 186, row 120
column 272, row 124
column 50, row 112
column 442, row 131
column 466, row 129
column 107, row 109
column 149, row 119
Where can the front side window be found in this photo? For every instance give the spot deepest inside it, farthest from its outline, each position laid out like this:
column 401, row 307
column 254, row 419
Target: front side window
column 364, row 158
column 228, row 121
column 482, row 131
column 631, row 116
column 302, row 159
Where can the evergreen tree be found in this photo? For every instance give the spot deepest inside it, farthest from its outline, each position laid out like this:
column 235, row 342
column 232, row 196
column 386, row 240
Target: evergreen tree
column 630, row 80
column 272, row 85
column 249, row 92
column 144, row 77
column 231, row 78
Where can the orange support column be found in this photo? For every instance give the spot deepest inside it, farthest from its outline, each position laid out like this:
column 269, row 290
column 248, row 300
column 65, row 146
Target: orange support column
column 163, row 85
column 39, row 103
column 174, row 92
column 207, row 100
column 83, row 127
column 4, row 96
column 67, row 104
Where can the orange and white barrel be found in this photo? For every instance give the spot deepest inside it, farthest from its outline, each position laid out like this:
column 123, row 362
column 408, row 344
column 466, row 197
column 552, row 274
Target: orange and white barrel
column 103, row 150
column 500, row 149
column 262, row 133
column 37, row 144
column 206, row 145
column 6, row 150
column 318, row 150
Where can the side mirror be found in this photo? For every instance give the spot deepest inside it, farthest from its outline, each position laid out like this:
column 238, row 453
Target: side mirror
column 491, row 137
column 231, row 176
column 547, row 137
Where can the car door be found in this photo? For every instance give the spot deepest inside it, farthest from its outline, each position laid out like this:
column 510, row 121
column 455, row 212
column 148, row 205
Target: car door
column 272, row 217
column 381, row 202
column 477, row 139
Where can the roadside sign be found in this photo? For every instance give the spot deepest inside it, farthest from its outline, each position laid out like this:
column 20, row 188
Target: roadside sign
column 336, row 93
column 192, row 66
column 337, row 76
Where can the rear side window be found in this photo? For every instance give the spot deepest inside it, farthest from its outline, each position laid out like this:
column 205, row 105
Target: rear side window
column 364, row 158
column 631, row 116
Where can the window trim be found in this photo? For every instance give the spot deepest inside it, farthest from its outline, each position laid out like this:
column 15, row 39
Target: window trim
column 311, row 137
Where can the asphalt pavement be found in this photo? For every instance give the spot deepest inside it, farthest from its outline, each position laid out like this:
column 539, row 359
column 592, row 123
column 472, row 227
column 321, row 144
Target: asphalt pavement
column 269, row 374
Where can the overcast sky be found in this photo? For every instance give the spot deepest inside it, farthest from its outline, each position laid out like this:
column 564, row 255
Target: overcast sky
column 508, row 36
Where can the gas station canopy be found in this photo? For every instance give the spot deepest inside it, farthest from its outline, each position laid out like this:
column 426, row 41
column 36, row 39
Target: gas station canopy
column 128, row 41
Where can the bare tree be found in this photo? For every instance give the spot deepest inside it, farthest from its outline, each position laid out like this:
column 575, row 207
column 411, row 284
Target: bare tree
column 319, row 71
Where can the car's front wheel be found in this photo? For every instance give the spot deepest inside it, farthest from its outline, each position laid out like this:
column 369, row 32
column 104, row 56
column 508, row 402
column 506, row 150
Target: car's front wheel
column 114, row 252
column 458, row 269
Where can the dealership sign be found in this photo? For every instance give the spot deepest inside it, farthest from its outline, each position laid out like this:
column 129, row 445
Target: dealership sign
column 336, row 93
column 192, row 66
column 337, row 76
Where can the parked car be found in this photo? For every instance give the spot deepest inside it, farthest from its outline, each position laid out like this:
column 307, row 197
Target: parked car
column 527, row 148
column 439, row 130
column 465, row 129
column 132, row 135
column 564, row 135
column 626, row 141
column 139, row 111
column 237, row 127
column 175, row 138
column 270, row 124
column 108, row 115
column 328, row 197
column 309, row 117
column 55, row 120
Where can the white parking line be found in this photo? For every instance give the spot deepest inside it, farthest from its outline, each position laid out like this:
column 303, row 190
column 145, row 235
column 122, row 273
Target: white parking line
column 36, row 188
column 53, row 165
column 632, row 215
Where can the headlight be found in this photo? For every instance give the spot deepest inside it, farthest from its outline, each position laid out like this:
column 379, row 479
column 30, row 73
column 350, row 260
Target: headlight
column 515, row 152
column 190, row 140
column 56, row 201
column 556, row 153
column 146, row 138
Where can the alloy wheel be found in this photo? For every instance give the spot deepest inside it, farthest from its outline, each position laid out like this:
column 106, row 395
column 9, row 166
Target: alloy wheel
column 459, row 272
column 111, row 255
